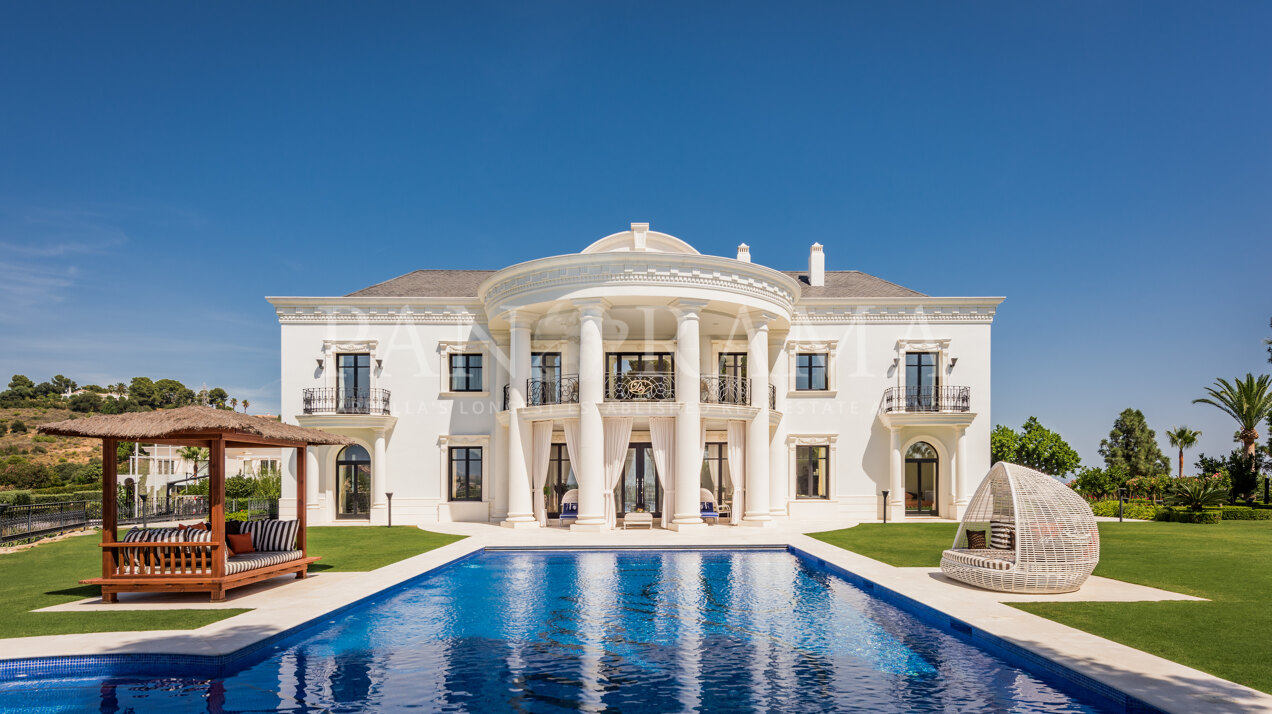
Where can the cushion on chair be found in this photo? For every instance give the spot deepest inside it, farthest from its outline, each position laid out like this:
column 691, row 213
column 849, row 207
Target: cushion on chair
column 250, row 561
column 272, row 535
column 569, row 510
column 1002, row 535
column 240, row 543
column 976, row 540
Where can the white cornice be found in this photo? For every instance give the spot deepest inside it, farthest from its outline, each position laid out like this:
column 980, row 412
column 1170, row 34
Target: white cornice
column 363, row 310
column 897, row 310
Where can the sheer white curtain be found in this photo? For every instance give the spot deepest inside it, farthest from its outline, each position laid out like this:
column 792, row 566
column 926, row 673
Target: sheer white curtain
column 737, row 469
column 571, row 427
column 618, row 432
column 541, row 442
column 662, row 434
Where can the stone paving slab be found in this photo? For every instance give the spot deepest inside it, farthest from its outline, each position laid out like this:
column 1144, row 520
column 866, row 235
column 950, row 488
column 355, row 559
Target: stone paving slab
column 283, row 604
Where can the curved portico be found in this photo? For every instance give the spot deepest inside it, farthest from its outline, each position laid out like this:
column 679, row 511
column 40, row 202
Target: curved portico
column 656, row 331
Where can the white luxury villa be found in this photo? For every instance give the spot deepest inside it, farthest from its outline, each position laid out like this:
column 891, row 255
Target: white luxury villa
column 638, row 382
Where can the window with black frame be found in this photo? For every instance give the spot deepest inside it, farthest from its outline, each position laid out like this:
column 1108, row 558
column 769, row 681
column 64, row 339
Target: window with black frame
column 715, row 476
column 922, row 382
column 810, row 371
column 465, row 373
column 465, row 473
column 354, row 383
column 560, row 478
column 812, row 471
column 545, row 378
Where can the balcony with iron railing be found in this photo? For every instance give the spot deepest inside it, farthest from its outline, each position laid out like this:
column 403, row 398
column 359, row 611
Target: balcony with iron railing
column 563, row 390
column 919, row 400
column 726, row 389
column 641, row 387
column 335, row 400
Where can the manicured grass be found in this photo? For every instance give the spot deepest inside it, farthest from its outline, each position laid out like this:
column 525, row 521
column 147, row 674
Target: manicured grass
column 48, row 574
column 361, row 548
column 1230, row 564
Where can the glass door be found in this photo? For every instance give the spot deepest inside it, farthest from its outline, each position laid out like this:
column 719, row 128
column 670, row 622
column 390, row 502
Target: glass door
column 639, row 489
column 920, row 479
column 353, row 393
column 921, row 381
column 353, row 468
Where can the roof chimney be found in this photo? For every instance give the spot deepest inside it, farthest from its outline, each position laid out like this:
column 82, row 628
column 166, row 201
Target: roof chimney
column 744, row 253
column 817, row 266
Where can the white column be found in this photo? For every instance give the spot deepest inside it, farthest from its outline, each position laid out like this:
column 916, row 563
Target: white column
column 312, row 474
column 687, row 514
column 379, row 471
column 590, row 471
column 757, row 511
column 520, row 507
column 962, row 489
column 896, row 478
column 779, row 461
column 498, row 483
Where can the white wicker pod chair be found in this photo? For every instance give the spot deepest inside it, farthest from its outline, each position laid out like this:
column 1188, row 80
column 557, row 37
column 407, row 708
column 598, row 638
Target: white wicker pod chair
column 1039, row 536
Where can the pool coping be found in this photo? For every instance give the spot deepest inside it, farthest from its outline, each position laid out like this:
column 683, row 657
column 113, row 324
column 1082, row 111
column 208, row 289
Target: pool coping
column 1115, row 672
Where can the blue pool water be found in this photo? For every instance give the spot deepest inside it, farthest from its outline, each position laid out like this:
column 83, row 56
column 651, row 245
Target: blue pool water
column 632, row 631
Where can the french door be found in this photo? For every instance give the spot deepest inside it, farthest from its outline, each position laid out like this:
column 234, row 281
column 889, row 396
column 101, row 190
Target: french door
column 922, row 382
column 640, row 490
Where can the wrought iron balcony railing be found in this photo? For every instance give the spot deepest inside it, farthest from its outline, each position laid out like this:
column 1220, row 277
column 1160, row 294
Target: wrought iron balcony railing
column 926, row 399
column 333, row 400
column 772, row 396
column 640, row 387
column 726, row 389
column 564, row 390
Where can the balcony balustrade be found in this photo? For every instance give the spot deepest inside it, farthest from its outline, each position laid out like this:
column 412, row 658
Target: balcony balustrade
column 772, row 396
column 726, row 389
column 564, row 390
column 908, row 400
column 640, row 387
column 334, row 400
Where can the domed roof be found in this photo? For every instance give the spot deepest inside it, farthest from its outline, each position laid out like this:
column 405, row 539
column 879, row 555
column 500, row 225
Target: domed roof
column 640, row 240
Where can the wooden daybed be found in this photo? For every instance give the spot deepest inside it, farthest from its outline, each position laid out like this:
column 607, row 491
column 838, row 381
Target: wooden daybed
column 195, row 560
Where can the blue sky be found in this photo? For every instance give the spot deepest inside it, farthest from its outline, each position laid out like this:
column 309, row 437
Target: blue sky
column 1106, row 166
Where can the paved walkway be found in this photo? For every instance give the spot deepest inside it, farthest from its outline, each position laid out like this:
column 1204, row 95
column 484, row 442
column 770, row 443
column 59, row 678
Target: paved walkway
column 283, row 604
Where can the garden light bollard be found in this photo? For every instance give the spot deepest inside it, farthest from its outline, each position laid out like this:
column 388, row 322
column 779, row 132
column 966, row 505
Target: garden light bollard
column 885, row 506
column 389, row 495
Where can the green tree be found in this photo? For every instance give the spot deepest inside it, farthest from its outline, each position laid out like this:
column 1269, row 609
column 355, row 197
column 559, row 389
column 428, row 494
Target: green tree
column 1132, row 447
column 1034, row 446
column 1248, row 401
column 195, row 454
column 44, row 389
column 1099, row 483
column 21, row 387
column 18, row 427
column 171, row 393
column 239, row 486
column 142, row 391
column 86, row 402
column 217, row 397
column 124, row 449
column 1181, row 437
column 63, row 385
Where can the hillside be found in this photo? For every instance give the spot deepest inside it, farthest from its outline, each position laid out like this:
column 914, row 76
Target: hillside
column 57, row 449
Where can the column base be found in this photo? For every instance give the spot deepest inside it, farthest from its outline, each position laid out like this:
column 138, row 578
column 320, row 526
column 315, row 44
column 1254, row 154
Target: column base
column 588, row 527
column 687, row 527
column 756, row 523
column 520, row 522
column 896, row 513
column 777, row 513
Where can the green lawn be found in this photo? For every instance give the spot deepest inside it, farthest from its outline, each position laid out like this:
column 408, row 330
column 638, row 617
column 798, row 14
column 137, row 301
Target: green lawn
column 1229, row 563
column 48, row 574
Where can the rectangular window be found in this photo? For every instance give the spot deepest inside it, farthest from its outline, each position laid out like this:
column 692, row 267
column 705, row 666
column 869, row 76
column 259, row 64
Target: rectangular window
column 545, row 366
column 166, row 467
column 465, row 373
column 465, row 473
column 649, row 362
column 812, row 471
column 810, row 371
column 353, row 376
column 922, row 382
column 715, row 476
column 267, row 466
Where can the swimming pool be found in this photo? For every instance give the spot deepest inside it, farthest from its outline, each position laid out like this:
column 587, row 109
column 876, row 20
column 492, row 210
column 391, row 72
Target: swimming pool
column 635, row 631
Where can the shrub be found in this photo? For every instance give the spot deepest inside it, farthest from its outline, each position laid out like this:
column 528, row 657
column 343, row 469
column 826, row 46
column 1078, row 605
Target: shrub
column 15, row 498
column 1182, row 516
column 239, row 486
column 43, row 439
column 1139, row 511
column 1245, row 513
column 39, row 450
column 1196, row 493
column 18, row 427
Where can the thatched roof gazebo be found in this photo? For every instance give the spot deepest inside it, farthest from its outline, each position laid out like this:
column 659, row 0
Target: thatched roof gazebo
column 197, row 561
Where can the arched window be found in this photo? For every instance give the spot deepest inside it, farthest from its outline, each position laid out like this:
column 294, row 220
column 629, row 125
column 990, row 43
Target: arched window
column 921, row 468
column 353, row 470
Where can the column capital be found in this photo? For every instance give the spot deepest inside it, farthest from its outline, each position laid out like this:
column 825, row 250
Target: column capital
column 591, row 306
column 759, row 319
column 518, row 319
column 686, row 307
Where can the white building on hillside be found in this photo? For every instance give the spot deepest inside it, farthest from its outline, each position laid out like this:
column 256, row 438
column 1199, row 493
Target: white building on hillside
column 152, row 467
column 639, row 377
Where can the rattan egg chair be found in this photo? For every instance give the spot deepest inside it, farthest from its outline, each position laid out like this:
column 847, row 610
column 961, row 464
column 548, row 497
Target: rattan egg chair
column 1024, row 532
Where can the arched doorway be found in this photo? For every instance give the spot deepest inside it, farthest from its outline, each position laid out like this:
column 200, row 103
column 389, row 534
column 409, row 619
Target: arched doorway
column 353, row 473
column 921, row 468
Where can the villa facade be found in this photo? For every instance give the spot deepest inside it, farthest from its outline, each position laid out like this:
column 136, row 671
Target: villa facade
column 638, row 380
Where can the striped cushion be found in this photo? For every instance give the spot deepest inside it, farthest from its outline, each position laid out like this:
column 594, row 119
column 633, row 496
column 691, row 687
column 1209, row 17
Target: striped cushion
column 272, row 535
column 251, row 561
column 1002, row 535
column 136, row 535
column 981, row 558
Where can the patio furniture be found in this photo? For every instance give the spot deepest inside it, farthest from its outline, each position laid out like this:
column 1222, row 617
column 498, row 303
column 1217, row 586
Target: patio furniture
column 196, row 560
column 638, row 518
column 569, row 506
column 707, row 505
column 1024, row 532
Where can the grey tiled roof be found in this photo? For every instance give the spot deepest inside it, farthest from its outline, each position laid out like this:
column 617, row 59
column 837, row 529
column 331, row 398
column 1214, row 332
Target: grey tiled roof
column 428, row 283
column 464, row 283
column 851, row 284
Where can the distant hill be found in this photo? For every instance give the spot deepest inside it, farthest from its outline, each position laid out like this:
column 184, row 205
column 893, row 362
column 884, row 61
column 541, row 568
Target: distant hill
column 39, row 449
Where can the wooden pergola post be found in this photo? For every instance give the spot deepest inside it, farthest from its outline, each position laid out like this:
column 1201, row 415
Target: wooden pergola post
column 216, row 512
column 301, row 503
column 110, row 513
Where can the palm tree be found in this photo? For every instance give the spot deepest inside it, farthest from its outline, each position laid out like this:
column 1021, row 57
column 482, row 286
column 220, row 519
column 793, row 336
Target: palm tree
column 1248, row 401
column 246, row 404
column 234, row 403
column 1181, row 437
column 195, row 454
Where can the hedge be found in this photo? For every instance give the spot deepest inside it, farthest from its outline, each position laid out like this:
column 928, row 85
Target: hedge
column 1141, row 511
column 1245, row 513
column 1183, row 516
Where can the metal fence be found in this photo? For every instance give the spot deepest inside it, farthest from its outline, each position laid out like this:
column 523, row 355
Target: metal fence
column 41, row 519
